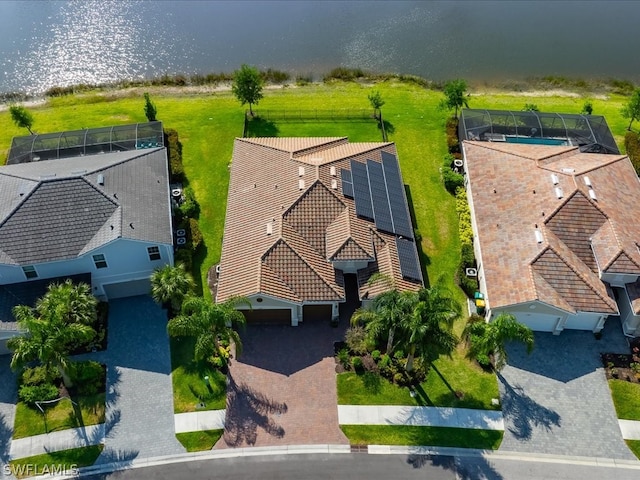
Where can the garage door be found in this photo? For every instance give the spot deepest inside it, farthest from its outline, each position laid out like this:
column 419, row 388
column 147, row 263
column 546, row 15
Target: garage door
column 275, row 316
column 127, row 289
column 581, row 322
column 316, row 313
column 538, row 322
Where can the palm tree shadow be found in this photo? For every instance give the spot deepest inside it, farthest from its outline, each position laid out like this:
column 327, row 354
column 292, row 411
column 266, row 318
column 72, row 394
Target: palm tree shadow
column 522, row 413
column 248, row 410
column 469, row 468
column 5, row 440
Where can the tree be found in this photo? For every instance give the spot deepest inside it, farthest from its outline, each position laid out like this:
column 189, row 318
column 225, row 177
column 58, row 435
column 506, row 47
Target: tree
column 587, row 108
column 247, row 86
column 632, row 109
column 21, row 117
column 68, row 303
column 209, row 323
column 487, row 339
column 171, row 285
column 376, row 101
column 427, row 332
column 46, row 339
column 455, row 92
column 149, row 108
column 530, row 107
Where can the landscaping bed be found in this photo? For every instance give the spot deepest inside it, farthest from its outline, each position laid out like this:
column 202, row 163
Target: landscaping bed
column 623, row 366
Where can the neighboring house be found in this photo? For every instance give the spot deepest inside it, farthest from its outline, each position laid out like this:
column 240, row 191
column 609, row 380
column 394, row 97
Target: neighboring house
column 68, row 209
column 309, row 220
column 556, row 229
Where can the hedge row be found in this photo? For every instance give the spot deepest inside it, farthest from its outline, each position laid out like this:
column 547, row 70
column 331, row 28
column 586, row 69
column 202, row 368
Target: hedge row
column 468, row 284
column 452, row 180
column 632, row 145
column 174, row 151
column 453, row 143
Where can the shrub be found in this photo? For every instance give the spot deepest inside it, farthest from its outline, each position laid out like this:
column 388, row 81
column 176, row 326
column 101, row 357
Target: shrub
column 469, row 285
column 453, row 143
column 356, row 363
column 385, row 361
column 632, row 145
column 452, row 180
column 398, row 378
column 303, row 80
column 398, row 355
column 174, row 151
column 375, row 355
column 184, row 256
column 467, row 257
column 88, row 377
column 275, row 76
column 218, row 362
column 190, row 207
column 345, row 74
column 356, row 339
column 30, row 394
column 196, row 234
column 343, row 358
column 37, row 376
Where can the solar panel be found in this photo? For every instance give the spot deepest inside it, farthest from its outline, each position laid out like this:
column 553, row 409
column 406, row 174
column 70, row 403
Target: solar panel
column 381, row 209
column 347, row 183
column 397, row 199
column 361, row 191
column 409, row 262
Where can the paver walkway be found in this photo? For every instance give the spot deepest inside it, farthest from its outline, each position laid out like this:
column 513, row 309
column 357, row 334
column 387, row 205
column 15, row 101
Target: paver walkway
column 139, row 414
column 283, row 389
column 56, row 441
column 7, row 409
column 630, row 429
column 557, row 400
column 199, row 421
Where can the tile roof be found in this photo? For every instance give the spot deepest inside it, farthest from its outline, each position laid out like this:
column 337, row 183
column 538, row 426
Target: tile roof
column 56, row 209
column 287, row 220
column 585, row 230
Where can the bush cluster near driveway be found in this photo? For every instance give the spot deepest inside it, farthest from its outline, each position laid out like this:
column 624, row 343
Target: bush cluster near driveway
column 55, row 462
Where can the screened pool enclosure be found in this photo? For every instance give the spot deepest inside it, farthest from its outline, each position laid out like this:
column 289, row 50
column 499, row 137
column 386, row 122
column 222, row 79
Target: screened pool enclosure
column 589, row 132
column 49, row 146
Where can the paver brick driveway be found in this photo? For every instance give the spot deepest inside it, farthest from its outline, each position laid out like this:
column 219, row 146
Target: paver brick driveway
column 557, row 401
column 283, row 389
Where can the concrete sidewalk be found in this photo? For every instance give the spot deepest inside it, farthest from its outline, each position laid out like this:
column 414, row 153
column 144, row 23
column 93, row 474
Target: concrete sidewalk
column 630, row 429
column 420, row 416
column 56, row 441
column 199, row 421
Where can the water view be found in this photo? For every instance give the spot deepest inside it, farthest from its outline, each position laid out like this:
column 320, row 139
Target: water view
column 43, row 44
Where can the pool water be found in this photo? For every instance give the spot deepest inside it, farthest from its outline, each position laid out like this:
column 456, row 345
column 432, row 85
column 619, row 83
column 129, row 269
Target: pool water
column 536, row 140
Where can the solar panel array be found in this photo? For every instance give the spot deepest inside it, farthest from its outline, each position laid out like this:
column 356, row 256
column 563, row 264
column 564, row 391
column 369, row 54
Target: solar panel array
column 409, row 262
column 361, row 190
column 397, row 200
column 347, row 183
column 379, row 196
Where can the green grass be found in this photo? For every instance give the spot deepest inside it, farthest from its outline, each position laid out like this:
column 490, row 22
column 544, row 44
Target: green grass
column 56, row 462
column 188, row 380
column 438, row 390
column 422, row 436
column 626, row 399
column 199, row 441
column 30, row 421
column 634, row 446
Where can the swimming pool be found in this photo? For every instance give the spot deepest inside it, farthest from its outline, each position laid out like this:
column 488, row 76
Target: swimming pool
column 536, row 140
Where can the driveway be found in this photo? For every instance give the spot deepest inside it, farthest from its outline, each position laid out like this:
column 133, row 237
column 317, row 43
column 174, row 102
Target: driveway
column 7, row 409
column 283, row 388
column 557, row 401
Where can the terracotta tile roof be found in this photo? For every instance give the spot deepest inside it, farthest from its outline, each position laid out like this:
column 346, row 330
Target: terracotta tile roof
column 513, row 194
column 287, row 219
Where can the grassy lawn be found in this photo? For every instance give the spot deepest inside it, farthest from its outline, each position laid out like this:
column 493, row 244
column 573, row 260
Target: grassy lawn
column 61, row 416
column 438, row 390
column 199, row 441
column 55, row 462
column 189, row 385
column 634, row 446
column 423, row 436
column 626, row 399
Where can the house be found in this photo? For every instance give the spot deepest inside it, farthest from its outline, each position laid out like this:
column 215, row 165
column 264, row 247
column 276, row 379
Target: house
column 92, row 202
column 308, row 222
column 554, row 213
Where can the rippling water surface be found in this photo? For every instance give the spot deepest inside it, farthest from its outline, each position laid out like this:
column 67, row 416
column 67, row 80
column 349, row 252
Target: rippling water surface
column 43, row 44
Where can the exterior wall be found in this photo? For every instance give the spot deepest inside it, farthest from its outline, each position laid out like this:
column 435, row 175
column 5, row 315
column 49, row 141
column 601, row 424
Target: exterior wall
column 630, row 321
column 126, row 260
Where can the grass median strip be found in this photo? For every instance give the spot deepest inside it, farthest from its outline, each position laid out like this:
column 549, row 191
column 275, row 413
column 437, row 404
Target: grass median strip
column 634, row 446
column 626, row 399
column 199, row 441
column 64, row 462
column 422, row 436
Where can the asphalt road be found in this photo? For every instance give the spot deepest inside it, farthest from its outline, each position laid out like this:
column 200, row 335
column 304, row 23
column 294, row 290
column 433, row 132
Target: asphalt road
column 373, row 467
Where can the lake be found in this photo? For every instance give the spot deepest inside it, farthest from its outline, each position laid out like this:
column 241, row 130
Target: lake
column 43, row 44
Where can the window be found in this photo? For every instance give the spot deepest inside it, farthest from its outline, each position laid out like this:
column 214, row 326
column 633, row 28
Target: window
column 100, row 261
column 30, row 272
column 154, row 253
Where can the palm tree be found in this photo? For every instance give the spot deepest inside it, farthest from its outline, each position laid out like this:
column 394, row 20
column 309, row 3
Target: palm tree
column 427, row 331
column 171, row 285
column 46, row 340
column 487, row 338
column 68, row 303
column 209, row 323
column 384, row 315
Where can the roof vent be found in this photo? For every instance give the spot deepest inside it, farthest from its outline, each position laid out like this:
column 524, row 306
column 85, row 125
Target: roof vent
column 100, row 179
column 23, row 189
column 334, row 183
column 332, row 170
column 538, row 235
column 554, row 178
column 587, row 181
column 592, row 194
column 559, row 192
column 300, row 171
column 269, row 228
column 301, row 184
column 569, row 170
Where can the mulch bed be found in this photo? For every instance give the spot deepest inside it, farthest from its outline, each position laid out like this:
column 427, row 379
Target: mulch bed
column 623, row 366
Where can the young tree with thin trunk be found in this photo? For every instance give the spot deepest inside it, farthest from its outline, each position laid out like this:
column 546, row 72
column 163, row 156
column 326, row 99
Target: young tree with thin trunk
column 632, row 109
column 455, row 92
column 247, row 86
column 376, row 101
column 150, row 109
column 22, row 117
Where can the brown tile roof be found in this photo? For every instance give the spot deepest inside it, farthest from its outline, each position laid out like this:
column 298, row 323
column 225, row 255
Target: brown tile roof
column 513, row 194
column 285, row 186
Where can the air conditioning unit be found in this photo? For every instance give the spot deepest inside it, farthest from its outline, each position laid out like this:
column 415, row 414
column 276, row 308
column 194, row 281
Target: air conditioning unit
column 181, row 232
column 471, row 272
column 176, row 192
column 458, row 163
column 181, row 241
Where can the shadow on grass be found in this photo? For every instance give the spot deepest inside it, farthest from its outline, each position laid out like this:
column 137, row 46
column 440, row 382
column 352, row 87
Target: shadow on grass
column 6, row 431
column 372, row 382
column 467, row 468
column 196, row 269
column 425, row 261
column 522, row 413
column 248, row 410
column 389, row 129
column 259, row 127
